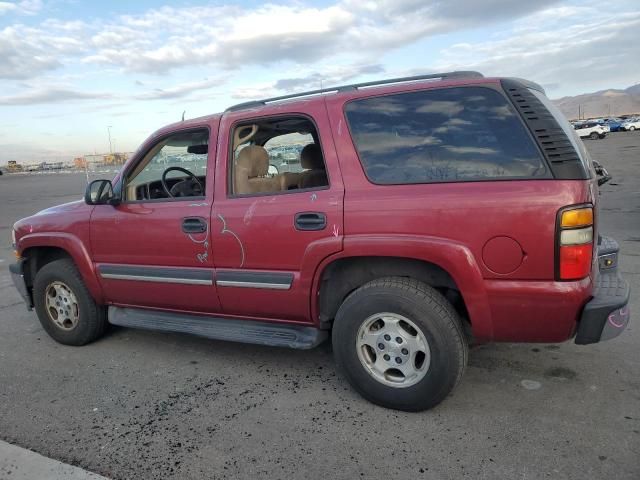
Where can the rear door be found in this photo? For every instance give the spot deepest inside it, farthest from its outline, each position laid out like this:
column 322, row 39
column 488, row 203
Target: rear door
column 269, row 243
column 154, row 251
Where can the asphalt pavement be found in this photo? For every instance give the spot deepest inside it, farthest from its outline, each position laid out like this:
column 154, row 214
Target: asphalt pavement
column 143, row 405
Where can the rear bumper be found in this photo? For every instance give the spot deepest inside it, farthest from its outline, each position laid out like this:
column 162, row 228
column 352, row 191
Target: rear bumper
column 607, row 314
column 17, row 275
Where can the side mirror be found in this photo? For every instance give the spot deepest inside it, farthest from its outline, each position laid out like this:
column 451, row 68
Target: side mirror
column 100, row 192
column 602, row 173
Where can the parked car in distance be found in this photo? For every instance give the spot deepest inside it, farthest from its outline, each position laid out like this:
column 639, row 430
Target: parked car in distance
column 422, row 215
column 614, row 124
column 591, row 130
column 630, row 125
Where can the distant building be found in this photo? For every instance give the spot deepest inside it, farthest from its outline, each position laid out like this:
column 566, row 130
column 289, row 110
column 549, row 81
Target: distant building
column 13, row 166
column 80, row 162
column 51, row 166
column 105, row 159
column 115, row 159
column 94, row 159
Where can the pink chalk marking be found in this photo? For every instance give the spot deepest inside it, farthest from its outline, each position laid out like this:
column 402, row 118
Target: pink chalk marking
column 612, row 322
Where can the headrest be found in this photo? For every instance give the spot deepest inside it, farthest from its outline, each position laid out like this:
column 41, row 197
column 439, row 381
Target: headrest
column 254, row 159
column 311, row 157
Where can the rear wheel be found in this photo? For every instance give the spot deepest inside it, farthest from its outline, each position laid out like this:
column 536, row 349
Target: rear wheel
column 594, row 136
column 632, row 128
column 64, row 306
column 400, row 344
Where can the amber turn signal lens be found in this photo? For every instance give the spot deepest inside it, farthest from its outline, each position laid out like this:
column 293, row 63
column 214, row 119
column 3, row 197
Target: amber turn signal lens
column 579, row 217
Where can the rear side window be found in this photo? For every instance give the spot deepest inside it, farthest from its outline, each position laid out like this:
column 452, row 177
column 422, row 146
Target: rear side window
column 445, row 135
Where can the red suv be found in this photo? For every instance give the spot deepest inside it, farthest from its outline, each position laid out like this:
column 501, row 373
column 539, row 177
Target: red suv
column 407, row 218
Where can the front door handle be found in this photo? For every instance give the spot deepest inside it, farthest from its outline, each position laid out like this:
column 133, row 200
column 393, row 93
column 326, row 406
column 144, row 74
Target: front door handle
column 194, row 225
column 307, row 221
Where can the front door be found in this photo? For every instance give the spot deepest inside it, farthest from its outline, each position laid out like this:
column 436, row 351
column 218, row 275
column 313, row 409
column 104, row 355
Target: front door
column 153, row 250
column 277, row 212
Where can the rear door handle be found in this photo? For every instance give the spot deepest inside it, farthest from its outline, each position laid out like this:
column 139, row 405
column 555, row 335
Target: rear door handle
column 307, row 221
column 194, row 225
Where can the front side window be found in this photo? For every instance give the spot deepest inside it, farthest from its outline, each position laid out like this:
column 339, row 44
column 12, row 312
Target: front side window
column 444, row 135
column 175, row 167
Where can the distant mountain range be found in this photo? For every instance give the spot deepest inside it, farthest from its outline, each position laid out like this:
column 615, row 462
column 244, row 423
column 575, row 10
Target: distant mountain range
column 604, row 103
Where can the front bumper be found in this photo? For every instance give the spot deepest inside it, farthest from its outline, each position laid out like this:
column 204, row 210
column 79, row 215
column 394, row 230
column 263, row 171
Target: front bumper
column 607, row 314
column 17, row 275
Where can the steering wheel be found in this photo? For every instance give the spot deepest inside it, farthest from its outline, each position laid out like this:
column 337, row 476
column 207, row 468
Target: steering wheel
column 180, row 191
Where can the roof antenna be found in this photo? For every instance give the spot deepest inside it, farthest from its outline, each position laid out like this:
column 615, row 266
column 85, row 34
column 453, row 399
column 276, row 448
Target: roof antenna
column 184, row 111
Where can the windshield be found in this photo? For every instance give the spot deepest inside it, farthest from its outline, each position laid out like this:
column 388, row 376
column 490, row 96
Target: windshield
column 185, row 150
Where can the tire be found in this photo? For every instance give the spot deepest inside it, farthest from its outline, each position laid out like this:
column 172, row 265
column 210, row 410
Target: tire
column 396, row 301
column 631, row 129
column 82, row 320
column 594, row 136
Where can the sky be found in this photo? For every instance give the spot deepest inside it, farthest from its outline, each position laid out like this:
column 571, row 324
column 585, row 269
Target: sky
column 70, row 69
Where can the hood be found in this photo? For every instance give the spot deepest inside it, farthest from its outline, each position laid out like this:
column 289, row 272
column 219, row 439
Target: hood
column 63, row 208
column 67, row 217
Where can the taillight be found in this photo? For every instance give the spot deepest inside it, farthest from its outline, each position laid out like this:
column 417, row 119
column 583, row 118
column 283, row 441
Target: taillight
column 575, row 243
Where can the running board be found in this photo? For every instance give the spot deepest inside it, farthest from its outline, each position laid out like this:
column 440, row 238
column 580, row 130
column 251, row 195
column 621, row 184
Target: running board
column 244, row 331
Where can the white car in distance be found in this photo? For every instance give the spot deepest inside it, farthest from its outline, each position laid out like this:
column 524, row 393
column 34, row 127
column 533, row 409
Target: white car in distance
column 631, row 125
column 591, row 130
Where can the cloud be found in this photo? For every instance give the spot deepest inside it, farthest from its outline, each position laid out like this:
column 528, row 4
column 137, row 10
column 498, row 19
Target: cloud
column 26, row 52
column 51, row 95
column 167, row 38
column 322, row 77
column 327, row 77
column 591, row 48
column 231, row 37
column 550, row 42
column 179, row 91
column 488, row 10
column 58, row 94
column 25, row 7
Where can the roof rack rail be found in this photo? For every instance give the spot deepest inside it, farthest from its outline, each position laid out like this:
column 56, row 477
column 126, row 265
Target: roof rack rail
column 355, row 86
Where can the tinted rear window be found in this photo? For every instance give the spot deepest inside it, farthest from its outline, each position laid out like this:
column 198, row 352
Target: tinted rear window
column 445, row 135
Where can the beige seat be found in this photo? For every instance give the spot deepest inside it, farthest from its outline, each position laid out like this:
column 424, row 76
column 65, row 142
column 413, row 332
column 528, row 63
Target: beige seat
column 251, row 168
column 314, row 174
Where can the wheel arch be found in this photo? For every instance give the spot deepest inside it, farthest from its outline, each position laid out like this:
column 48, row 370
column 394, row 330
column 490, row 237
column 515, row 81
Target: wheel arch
column 344, row 275
column 40, row 250
column 445, row 265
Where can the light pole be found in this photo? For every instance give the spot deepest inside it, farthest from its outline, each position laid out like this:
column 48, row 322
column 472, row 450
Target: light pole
column 109, row 133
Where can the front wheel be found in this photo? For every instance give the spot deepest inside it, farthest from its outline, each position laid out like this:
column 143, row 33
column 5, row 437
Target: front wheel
column 631, row 129
column 594, row 136
column 400, row 344
column 64, row 305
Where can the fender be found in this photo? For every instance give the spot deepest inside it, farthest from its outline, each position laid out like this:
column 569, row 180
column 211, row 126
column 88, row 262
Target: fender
column 453, row 257
column 76, row 250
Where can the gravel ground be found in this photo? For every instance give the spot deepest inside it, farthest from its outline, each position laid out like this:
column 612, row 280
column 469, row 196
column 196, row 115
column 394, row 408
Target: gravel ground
column 142, row 405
